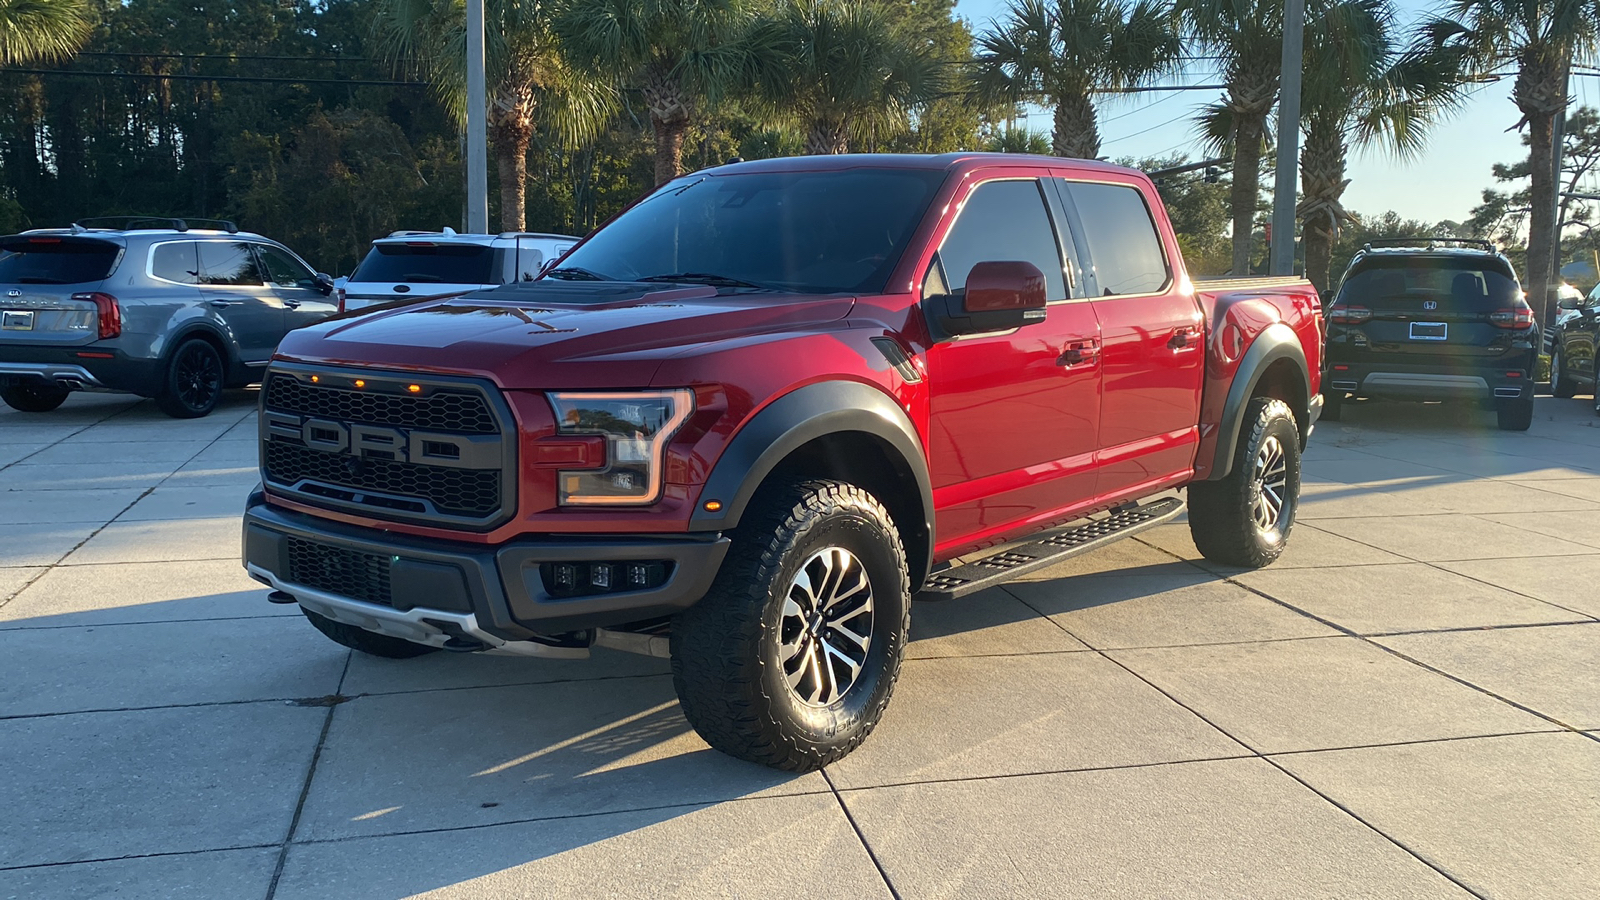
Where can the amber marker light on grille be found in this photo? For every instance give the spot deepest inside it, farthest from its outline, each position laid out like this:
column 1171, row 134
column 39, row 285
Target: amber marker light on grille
column 360, row 383
column 315, row 379
column 414, row 388
column 713, row 505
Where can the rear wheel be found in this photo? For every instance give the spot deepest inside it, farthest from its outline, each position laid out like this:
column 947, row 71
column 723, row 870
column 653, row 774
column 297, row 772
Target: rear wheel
column 34, row 398
column 1560, row 384
column 194, row 381
column 1516, row 415
column 1332, row 406
column 790, row 659
column 367, row 642
column 1244, row 519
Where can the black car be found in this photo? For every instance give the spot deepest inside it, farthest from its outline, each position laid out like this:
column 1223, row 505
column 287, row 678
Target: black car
column 1432, row 319
column 1572, row 347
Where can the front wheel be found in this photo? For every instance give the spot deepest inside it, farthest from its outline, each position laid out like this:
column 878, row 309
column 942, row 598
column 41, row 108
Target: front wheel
column 194, row 381
column 1560, row 384
column 1244, row 520
column 1516, row 415
column 34, row 398
column 790, row 658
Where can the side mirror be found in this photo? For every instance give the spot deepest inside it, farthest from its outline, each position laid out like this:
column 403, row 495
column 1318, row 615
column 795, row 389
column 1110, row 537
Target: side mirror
column 999, row 296
column 323, row 282
column 1570, row 303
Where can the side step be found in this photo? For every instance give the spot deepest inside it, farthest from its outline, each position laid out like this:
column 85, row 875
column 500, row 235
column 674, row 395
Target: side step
column 1029, row 556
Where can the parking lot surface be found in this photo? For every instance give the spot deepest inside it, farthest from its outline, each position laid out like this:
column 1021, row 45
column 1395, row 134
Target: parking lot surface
column 1406, row 705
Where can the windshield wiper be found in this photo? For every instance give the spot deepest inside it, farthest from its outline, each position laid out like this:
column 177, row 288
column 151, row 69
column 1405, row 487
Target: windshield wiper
column 706, row 278
column 573, row 273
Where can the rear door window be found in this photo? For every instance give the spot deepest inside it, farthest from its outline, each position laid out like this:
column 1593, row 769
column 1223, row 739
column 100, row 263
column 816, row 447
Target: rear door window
column 1003, row 221
column 1122, row 238
column 428, row 264
column 50, row 260
column 284, row 270
column 177, row 261
column 229, row 263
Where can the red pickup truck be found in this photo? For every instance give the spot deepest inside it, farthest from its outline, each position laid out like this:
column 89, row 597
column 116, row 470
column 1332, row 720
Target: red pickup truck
column 752, row 417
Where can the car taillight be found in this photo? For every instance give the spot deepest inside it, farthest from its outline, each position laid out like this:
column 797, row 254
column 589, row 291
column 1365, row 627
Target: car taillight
column 338, row 296
column 1349, row 315
column 109, row 311
column 1517, row 317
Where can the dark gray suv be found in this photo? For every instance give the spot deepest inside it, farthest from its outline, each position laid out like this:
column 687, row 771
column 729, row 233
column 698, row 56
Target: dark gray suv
column 153, row 307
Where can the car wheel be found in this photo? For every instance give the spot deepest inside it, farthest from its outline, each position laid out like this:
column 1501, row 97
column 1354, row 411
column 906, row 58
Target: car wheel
column 1332, row 406
column 1516, row 415
column 1244, row 519
column 1561, row 385
column 194, row 381
column 790, row 658
column 368, row 642
column 34, row 398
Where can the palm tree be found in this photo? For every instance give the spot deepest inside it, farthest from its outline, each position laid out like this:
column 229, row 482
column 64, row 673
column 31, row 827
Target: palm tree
column 42, row 30
column 1360, row 89
column 1543, row 41
column 1056, row 53
column 529, row 80
column 1247, row 38
column 838, row 68
column 679, row 54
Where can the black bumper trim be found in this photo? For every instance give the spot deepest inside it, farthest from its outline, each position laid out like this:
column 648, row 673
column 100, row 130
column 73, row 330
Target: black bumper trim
column 501, row 583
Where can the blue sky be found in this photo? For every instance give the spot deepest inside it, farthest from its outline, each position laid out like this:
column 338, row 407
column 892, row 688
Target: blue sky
column 1444, row 182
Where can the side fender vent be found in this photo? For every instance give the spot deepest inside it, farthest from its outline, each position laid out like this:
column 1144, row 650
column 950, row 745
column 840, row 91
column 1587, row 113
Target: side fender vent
column 897, row 357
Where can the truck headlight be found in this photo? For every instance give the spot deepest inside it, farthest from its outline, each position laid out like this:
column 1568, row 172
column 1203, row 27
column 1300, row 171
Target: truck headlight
column 636, row 426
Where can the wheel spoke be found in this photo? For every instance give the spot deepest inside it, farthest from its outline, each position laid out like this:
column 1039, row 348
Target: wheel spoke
column 825, row 627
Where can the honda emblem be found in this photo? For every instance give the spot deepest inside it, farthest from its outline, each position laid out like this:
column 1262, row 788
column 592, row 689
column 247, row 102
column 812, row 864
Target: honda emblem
column 1430, row 304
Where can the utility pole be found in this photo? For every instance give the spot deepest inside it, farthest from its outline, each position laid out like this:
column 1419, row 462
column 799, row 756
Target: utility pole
column 1557, row 151
column 1282, row 253
column 477, row 124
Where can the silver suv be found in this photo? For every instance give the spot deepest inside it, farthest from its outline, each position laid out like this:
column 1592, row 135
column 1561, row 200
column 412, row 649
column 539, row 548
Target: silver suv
column 149, row 306
column 418, row 265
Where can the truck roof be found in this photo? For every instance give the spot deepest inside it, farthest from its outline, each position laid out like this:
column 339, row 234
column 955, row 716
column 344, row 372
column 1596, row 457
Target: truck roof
column 940, row 161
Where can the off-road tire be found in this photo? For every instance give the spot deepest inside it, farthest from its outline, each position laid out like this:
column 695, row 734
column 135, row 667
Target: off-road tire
column 182, row 395
column 1332, row 406
column 1561, row 384
column 367, row 642
column 727, row 661
column 34, row 398
column 1220, row 512
column 1515, row 415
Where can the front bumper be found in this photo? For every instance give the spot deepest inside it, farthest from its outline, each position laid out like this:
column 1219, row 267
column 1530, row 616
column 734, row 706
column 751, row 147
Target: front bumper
column 1428, row 382
column 493, row 595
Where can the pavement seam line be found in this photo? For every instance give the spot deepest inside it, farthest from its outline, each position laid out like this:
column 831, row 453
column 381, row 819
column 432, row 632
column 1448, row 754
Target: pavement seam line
column 860, row 836
column 106, row 417
column 305, row 788
column 158, row 855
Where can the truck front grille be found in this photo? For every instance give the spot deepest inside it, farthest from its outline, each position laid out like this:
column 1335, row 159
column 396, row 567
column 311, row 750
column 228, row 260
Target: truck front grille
column 437, row 451
column 339, row 571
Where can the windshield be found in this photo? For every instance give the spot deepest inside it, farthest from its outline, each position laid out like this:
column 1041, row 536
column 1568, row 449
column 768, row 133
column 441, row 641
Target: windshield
column 811, row 232
column 428, row 264
column 55, row 261
column 1467, row 285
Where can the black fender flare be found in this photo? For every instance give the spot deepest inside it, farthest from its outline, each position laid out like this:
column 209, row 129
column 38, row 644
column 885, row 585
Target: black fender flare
column 799, row 417
column 1276, row 341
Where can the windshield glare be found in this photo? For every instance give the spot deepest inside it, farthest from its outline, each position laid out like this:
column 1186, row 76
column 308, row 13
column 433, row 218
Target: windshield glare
column 810, row 232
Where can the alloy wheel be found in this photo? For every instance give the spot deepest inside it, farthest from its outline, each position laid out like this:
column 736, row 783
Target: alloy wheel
column 826, row 627
column 1271, row 477
column 198, row 376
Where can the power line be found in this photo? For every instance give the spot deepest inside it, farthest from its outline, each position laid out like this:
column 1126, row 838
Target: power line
column 1148, row 130
column 263, row 79
column 219, row 57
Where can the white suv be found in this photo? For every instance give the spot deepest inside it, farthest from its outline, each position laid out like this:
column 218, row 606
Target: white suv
column 417, row 265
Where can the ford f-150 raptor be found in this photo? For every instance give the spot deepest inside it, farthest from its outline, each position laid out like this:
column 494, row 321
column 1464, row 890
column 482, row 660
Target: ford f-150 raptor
column 752, row 417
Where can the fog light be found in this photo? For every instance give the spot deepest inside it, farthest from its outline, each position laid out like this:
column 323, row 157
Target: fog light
column 600, row 576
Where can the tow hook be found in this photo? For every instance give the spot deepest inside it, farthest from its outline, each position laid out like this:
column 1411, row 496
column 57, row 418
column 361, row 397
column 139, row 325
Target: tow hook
column 283, row 597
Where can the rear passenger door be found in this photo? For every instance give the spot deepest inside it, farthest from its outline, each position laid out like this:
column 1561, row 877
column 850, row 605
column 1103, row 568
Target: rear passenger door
column 296, row 287
column 1014, row 413
column 1152, row 334
column 234, row 287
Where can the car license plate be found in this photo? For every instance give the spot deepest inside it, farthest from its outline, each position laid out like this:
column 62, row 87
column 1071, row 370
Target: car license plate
column 1429, row 331
column 16, row 320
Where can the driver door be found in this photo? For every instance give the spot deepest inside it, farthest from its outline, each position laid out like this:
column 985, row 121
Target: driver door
column 1014, row 414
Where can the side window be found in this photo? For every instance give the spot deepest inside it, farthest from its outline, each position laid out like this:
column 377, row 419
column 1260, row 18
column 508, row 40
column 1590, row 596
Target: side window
column 1003, row 220
column 284, row 270
column 228, row 263
column 176, row 261
column 1122, row 238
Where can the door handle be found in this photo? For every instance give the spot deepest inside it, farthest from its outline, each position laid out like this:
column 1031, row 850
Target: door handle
column 292, row 304
column 220, row 303
column 1079, row 353
column 1181, row 338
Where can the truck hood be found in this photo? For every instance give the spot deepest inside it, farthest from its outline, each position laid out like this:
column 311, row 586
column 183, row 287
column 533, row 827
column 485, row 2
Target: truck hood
column 556, row 335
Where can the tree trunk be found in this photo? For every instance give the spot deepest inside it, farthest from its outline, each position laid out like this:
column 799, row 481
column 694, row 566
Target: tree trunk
column 669, row 148
column 1246, row 197
column 1540, row 93
column 670, row 111
column 1076, row 135
column 826, row 138
column 511, row 137
column 1322, row 185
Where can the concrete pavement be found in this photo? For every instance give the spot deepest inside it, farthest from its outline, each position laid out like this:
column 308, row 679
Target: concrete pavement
column 1404, row 706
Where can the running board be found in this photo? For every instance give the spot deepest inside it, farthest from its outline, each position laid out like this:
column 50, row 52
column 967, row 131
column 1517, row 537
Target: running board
column 1030, row 556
